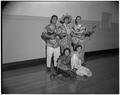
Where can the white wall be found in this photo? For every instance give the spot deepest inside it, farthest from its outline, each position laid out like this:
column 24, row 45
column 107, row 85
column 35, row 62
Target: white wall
column 22, row 38
column 88, row 10
column 22, row 30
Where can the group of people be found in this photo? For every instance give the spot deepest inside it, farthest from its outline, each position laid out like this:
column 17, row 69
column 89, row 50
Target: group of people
column 66, row 44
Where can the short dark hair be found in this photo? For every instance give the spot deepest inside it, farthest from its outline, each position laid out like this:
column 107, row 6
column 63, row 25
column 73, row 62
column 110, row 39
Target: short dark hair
column 53, row 17
column 76, row 19
column 65, row 50
column 64, row 20
column 75, row 48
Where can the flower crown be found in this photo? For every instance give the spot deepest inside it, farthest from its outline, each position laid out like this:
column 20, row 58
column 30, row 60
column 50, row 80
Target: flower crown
column 66, row 16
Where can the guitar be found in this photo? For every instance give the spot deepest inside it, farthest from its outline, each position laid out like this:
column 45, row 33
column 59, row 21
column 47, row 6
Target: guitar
column 53, row 35
column 81, row 35
column 88, row 33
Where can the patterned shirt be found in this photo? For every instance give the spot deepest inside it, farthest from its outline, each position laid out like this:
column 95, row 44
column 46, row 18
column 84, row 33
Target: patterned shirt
column 49, row 35
column 64, row 62
column 67, row 28
column 78, row 34
column 65, row 42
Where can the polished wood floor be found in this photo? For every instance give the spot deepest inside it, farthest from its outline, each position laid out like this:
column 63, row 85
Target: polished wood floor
column 35, row 80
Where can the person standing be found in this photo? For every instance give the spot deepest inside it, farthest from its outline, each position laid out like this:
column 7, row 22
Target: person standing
column 65, row 41
column 78, row 35
column 49, row 36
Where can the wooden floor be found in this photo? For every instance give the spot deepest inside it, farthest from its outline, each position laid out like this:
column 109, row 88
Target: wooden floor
column 33, row 80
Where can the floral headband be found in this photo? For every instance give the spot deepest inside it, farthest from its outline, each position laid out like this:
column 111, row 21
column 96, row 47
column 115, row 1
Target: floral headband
column 66, row 16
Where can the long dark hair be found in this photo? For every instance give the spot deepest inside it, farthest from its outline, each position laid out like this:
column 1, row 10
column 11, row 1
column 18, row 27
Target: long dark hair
column 76, row 19
column 75, row 48
column 65, row 50
column 53, row 17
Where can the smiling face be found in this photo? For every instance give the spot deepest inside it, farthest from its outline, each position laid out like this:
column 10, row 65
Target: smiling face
column 66, row 20
column 54, row 20
column 79, row 49
column 78, row 20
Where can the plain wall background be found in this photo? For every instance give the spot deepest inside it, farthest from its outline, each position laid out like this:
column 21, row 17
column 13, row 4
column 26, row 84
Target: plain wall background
column 88, row 10
column 21, row 29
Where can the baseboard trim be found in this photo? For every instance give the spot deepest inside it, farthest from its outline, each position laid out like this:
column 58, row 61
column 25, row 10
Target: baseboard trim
column 88, row 56
column 23, row 64
column 100, row 54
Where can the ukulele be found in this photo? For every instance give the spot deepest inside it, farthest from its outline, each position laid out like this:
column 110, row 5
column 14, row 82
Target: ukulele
column 80, row 35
